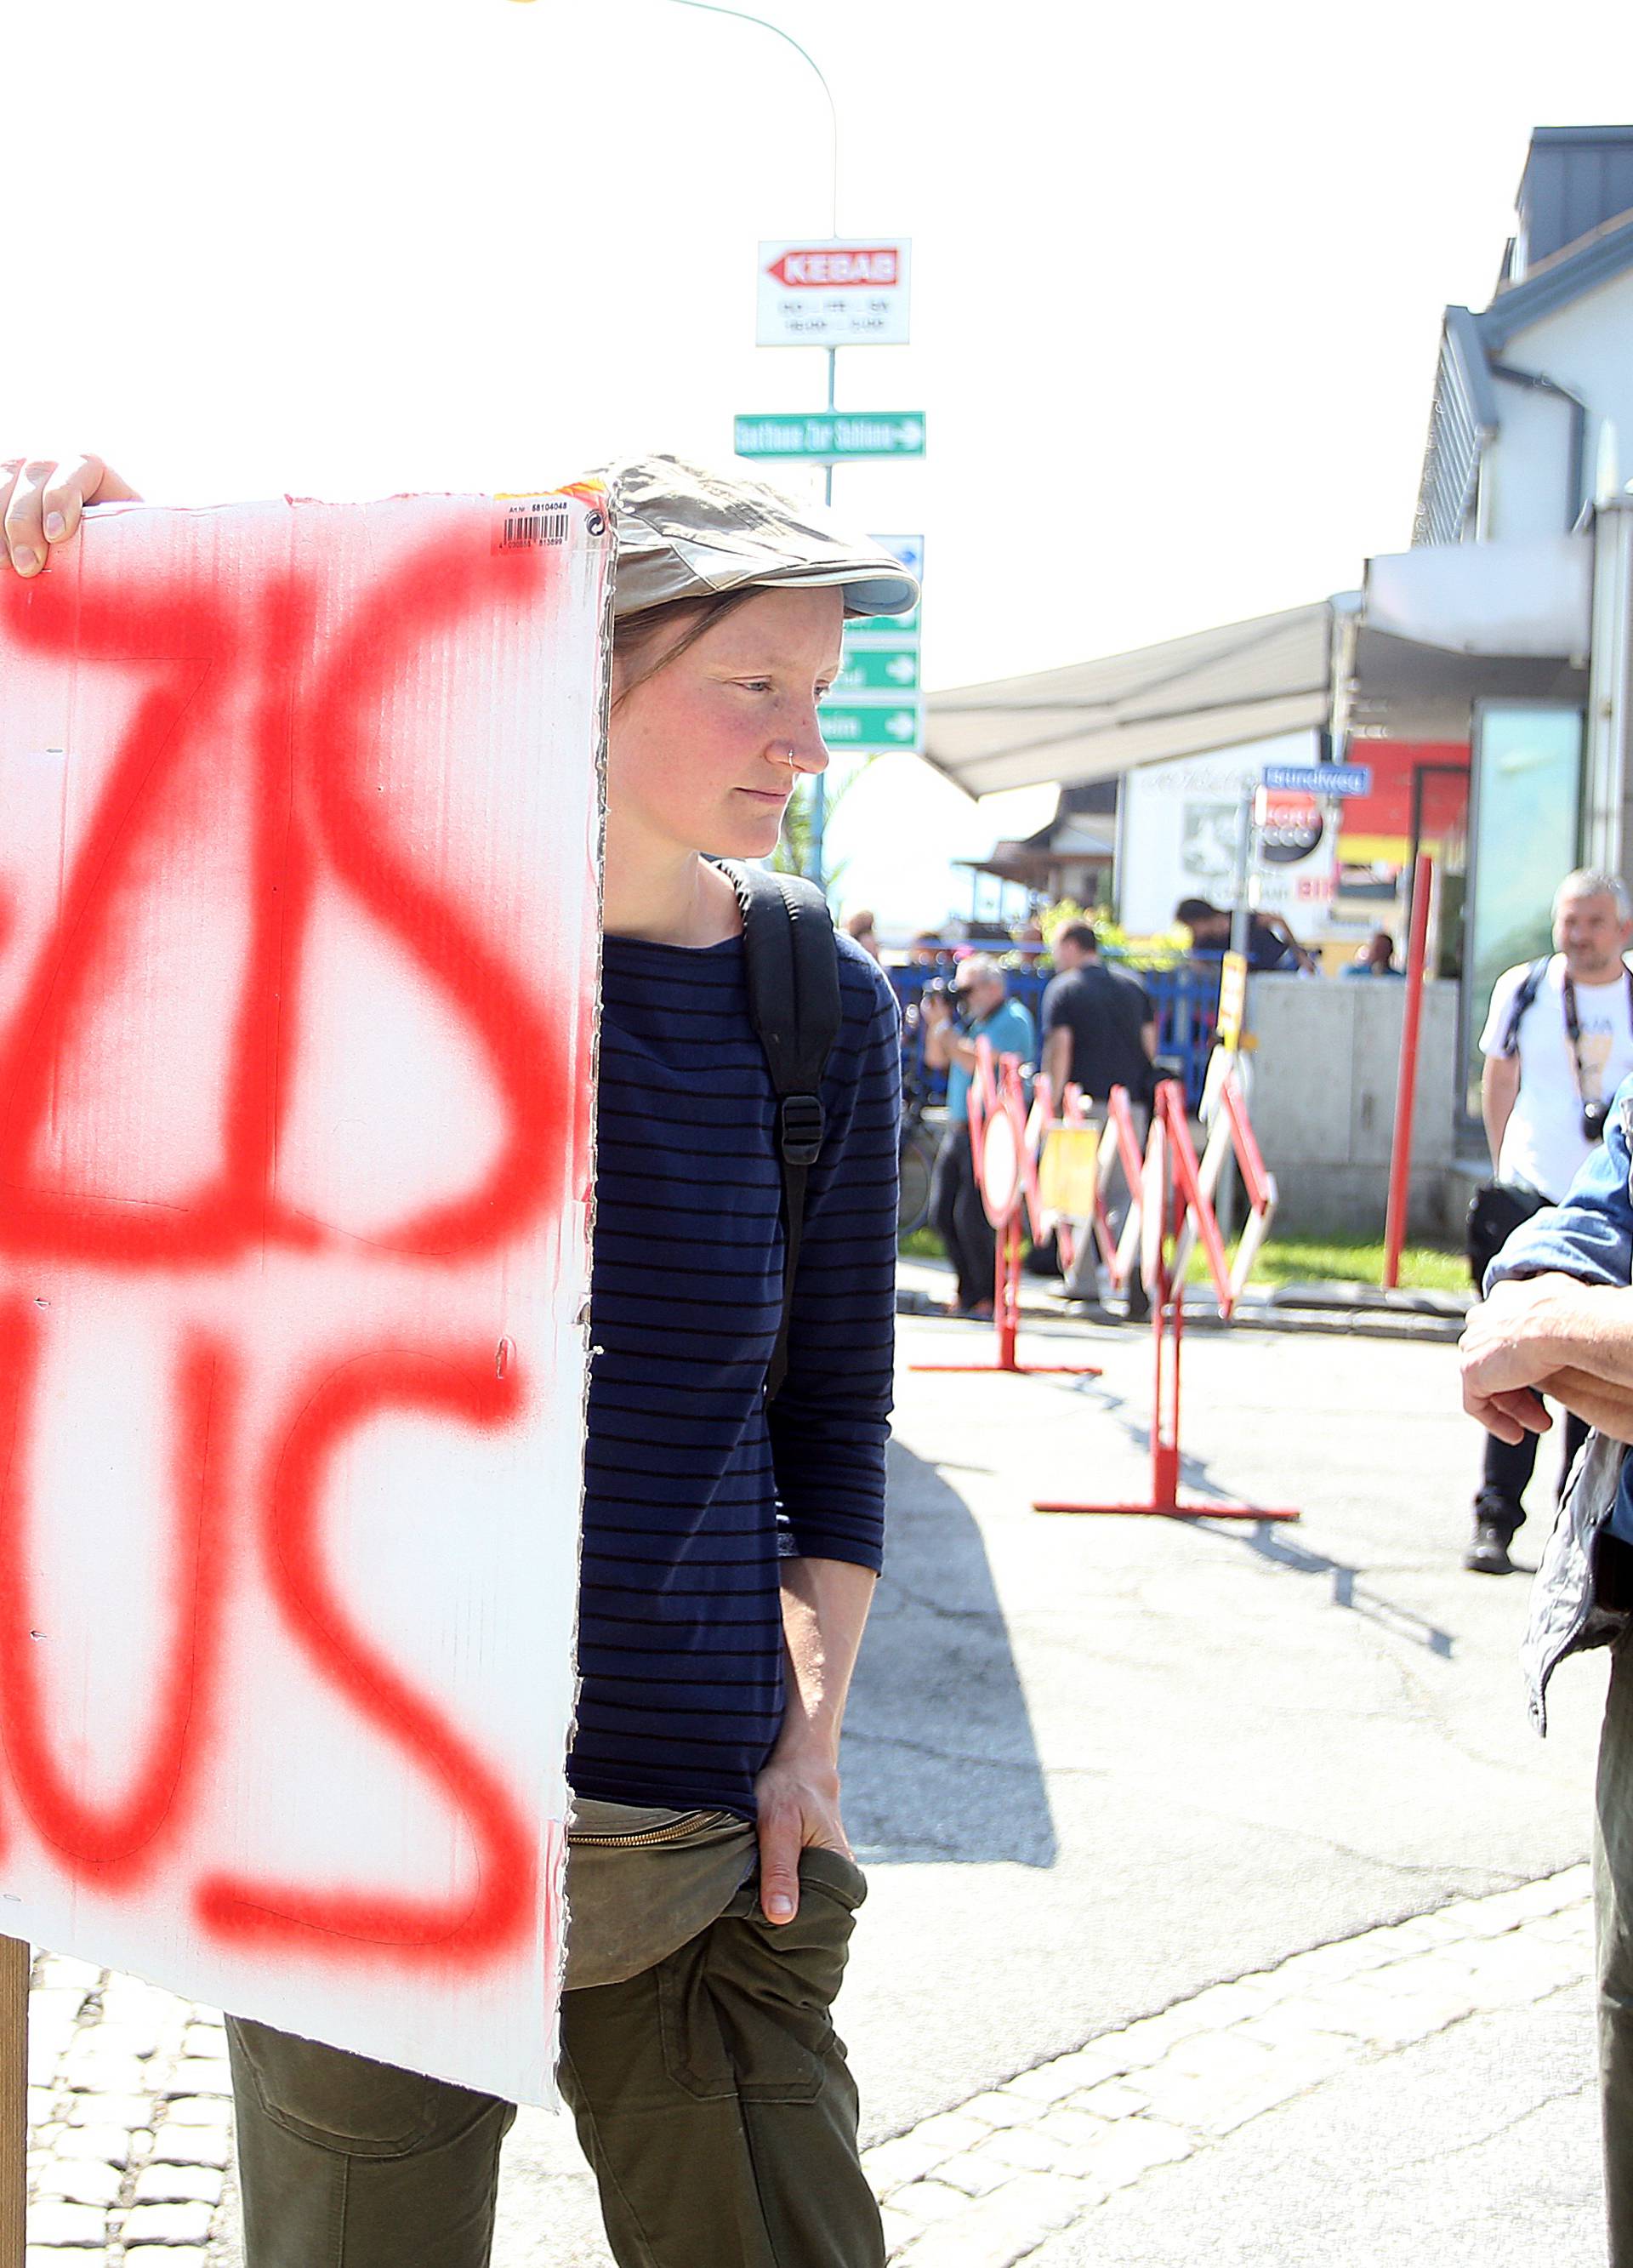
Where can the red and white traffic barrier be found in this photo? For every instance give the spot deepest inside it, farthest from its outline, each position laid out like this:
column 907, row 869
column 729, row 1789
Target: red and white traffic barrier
column 1177, row 1214
column 1006, row 1173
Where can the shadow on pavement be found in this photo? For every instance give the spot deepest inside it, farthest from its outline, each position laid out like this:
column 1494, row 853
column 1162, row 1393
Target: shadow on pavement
column 1349, row 1589
column 939, row 1760
column 1271, row 1541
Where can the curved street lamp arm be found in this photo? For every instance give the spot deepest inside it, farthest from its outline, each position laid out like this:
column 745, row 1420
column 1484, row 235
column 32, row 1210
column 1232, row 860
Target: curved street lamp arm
column 711, row 8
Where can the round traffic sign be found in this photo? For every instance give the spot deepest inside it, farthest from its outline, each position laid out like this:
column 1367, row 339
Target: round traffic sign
column 1000, row 1168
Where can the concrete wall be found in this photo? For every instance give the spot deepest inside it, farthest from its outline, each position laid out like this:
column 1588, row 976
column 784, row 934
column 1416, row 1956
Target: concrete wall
column 1324, row 1075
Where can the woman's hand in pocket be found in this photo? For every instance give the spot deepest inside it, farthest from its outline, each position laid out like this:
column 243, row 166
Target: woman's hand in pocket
column 797, row 1796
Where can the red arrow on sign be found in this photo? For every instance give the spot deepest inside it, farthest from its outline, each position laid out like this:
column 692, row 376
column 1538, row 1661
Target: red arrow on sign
column 832, row 267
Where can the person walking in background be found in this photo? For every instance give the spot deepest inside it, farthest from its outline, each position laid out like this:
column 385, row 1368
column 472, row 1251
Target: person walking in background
column 1099, row 1031
column 1557, row 1043
column 1271, row 944
column 955, row 1206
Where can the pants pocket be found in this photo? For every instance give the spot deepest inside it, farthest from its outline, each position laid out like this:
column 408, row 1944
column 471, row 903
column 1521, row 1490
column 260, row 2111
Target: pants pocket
column 336, row 2100
column 744, row 2008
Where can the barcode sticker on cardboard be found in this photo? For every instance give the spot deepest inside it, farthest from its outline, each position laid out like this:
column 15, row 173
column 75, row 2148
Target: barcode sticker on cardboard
column 530, row 521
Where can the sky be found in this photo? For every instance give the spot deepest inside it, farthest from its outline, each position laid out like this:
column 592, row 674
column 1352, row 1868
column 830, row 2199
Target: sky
column 1178, row 278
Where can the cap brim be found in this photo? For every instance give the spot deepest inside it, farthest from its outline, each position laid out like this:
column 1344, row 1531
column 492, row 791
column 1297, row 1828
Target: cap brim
column 684, row 532
column 866, row 591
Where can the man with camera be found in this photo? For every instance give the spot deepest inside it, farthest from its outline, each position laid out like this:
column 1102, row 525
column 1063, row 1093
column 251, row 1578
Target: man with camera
column 1557, row 1043
column 980, row 993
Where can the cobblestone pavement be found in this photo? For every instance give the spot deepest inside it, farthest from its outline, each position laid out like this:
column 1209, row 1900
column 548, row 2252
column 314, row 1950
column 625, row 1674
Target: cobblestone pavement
column 130, row 2119
column 130, row 2099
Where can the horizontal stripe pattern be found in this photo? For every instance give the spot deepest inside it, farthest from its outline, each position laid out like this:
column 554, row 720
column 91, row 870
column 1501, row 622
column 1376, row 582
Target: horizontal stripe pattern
column 680, row 1637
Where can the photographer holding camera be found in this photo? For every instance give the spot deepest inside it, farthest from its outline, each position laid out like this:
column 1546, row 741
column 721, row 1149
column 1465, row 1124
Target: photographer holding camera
column 1557, row 1043
column 979, row 993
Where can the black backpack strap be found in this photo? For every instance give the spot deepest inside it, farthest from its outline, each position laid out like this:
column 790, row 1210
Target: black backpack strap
column 1530, row 985
column 792, row 964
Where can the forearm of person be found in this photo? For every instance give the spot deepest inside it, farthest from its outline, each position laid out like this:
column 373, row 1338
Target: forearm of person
column 1058, row 1060
column 1499, row 1087
column 825, row 1610
column 1147, row 1041
column 1581, row 1331
column 825, row 1607
column 946, row 1045
column 1597, row 1403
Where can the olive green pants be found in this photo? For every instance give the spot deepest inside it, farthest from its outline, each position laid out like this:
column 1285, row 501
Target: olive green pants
column 1613, row 1907
column 711, row 2095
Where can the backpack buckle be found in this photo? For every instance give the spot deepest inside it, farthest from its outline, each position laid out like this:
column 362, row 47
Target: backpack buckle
column 801, row 1120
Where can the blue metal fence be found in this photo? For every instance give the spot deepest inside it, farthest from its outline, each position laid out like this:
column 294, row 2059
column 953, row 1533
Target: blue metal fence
column 1187, row 1001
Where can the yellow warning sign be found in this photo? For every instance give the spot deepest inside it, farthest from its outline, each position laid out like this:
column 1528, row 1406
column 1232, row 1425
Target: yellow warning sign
column 1069, row 1171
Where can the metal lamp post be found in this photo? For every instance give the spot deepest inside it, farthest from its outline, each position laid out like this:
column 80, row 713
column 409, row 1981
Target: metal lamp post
column 819, row 792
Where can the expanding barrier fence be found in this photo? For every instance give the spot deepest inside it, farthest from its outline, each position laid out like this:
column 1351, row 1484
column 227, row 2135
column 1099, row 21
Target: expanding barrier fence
column 1071, row 1170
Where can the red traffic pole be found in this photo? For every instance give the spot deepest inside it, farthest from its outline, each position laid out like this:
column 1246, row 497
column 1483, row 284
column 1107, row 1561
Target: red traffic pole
column 1406, row 1090
column 1006, row 1301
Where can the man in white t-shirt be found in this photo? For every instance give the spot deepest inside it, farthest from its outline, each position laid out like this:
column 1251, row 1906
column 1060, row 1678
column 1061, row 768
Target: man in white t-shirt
column 1557, row 1043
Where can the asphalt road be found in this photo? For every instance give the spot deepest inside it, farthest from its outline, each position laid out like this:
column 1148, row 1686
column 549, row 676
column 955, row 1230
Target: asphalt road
column 1095, row 1765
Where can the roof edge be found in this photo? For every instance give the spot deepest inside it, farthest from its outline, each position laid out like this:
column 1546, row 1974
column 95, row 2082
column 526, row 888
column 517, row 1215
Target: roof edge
column 1597, row 258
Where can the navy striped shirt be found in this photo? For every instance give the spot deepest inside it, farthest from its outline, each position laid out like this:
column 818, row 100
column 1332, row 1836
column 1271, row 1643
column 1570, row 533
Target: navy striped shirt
column 680, row 1633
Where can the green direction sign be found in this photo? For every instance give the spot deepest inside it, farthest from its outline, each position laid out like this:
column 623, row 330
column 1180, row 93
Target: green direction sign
column 879, row 668
column 878, row 708
column 872, row 724
column 832, row 436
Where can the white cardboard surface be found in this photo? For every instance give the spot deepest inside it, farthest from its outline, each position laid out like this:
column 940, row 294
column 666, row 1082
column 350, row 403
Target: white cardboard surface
column 298, row 821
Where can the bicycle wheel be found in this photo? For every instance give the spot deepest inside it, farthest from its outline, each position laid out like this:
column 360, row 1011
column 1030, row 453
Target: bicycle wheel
column 917, row 1164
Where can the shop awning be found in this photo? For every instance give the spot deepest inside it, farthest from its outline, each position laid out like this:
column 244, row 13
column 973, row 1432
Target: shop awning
column 1216, row 689
column 1447, row 624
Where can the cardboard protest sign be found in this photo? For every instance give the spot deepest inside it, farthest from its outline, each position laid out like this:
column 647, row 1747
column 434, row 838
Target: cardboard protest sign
column 299, row 816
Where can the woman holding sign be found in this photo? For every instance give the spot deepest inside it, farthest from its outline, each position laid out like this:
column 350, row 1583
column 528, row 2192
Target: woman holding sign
column 731, row 1537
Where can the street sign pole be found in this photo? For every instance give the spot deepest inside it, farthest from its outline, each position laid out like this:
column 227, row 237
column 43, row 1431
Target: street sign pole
column 818, row 785
column 833, row 294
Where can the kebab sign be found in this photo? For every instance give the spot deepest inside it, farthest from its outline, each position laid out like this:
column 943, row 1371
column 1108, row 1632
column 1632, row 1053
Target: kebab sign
column 834, row 292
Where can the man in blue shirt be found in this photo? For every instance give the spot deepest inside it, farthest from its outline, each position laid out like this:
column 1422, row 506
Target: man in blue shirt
column 982, row 991
column 1558, row 1319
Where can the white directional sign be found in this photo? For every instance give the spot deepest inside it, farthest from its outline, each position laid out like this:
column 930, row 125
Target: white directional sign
column 834, row 292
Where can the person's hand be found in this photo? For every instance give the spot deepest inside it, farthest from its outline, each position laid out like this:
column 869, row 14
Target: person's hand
column 1510, row 1347
column 41, row 500
column 936, row 1008
column 797, row 1796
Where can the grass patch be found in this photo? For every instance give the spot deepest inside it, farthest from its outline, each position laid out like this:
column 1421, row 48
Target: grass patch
column 1303, row 1260
column 1347, row 1260
column 921, row 1244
